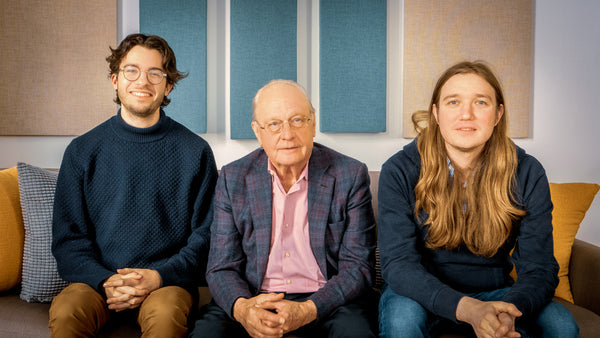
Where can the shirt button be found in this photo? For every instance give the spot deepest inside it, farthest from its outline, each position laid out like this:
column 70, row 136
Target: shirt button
column 288, row 281
column 287, row 225
column 287, row 254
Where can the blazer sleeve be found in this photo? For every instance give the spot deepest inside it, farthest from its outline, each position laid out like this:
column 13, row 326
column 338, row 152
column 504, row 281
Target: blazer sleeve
column 355, row 258
column 226, row 259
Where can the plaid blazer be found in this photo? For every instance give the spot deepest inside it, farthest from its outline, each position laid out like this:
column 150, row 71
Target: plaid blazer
column 341, row 228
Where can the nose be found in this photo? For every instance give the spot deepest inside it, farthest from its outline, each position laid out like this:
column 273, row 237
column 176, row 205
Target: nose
column 286, row 130
column 466, row 112
column 143, row 78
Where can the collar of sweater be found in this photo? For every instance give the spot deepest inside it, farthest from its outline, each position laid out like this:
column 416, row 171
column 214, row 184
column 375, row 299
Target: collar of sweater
column 141, row 135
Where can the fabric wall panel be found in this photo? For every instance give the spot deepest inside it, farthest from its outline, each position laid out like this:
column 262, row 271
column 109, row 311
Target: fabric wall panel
column 352, row 79
column 54, row 74
column 183, row 24
column 263, row 48
column 438, row 34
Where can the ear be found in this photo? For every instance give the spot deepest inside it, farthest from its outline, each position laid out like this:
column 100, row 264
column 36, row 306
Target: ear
column 434, row 111
column 499, row 113
column 168, row 88
column 256, row 130
column 313, row 125
column 114, row 79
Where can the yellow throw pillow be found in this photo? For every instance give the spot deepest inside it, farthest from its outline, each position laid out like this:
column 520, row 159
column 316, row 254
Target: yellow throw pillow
column 571, row 202
column 12, row 232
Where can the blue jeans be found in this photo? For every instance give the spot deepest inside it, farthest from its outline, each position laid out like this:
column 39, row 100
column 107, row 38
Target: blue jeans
column 401, row 316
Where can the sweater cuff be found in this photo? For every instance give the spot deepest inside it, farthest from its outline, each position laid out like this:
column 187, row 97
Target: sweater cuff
column 166, row 274
column 97, row 282
column 520, row 301
column 446, row 302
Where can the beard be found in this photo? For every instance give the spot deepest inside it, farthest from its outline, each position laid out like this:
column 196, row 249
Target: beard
column 139, row 109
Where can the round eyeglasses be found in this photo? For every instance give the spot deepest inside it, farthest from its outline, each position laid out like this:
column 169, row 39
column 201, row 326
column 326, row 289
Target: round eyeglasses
column 295, row 122
column 132, row 73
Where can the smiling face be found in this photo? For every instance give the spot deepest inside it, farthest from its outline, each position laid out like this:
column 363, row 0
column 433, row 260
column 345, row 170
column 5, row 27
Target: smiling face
column 466, row 113
column 289, row 149
column 140, row 99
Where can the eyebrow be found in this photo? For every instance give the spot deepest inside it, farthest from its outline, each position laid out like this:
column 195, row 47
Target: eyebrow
column 152, row 68
column 458, row 95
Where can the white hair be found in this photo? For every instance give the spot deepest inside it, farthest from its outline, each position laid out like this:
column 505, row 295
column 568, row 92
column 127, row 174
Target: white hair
column 271, row 83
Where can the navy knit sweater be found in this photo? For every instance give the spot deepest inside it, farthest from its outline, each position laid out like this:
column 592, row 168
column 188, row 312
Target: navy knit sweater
column 131, row 197
column 437, row 279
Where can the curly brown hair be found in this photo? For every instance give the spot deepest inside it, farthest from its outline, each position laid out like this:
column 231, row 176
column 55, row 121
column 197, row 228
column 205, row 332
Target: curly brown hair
column 151, row 42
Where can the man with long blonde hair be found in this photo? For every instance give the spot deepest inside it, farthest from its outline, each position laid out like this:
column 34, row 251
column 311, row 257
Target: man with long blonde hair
column 452, row 205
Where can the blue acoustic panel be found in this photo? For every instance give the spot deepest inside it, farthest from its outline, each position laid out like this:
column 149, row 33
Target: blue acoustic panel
column 183, row 24
column 263, row 48
column 352, row 79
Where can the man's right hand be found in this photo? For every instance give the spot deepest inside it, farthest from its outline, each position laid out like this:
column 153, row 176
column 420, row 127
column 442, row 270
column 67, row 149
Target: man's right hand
column 123, row 297
column 493, row 319
column 258, row 319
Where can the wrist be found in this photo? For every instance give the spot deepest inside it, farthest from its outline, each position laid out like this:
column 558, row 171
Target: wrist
column 310, row 310
column 239, row 309
column 158, row 282
column 463, row 307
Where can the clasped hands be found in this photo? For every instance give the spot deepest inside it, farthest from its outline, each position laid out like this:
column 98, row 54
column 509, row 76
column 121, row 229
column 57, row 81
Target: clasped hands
column 128, row 288
column 269, row 315
column 491, row 319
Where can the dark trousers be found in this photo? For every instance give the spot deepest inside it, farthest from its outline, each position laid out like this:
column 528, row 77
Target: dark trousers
column 356, row 319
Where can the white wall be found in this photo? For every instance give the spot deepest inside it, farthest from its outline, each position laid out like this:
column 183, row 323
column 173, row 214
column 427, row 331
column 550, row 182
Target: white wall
column 566, row 120
column 565, row 117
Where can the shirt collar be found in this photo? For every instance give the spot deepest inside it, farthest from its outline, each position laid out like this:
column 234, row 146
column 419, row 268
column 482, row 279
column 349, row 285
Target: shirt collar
column 450, row 167
column 273, row 172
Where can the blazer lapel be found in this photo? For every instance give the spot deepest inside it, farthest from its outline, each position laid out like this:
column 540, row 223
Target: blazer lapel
column 320, row 196
column 258, row 184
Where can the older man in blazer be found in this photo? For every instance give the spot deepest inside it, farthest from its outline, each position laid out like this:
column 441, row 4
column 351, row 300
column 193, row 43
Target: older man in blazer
column 293, row 237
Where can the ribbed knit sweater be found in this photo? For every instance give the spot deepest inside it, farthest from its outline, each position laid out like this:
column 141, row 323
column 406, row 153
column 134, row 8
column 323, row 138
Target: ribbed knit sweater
column 131, row 197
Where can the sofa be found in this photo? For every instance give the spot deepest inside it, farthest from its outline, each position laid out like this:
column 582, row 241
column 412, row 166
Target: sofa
column 26, row 195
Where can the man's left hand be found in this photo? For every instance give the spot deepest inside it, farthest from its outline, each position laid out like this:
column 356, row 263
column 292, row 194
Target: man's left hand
column 295, row 314
column 130, row 287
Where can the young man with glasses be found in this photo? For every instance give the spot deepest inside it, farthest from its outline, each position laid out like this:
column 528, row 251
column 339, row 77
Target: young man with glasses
column 293, row 238
column 133, row 207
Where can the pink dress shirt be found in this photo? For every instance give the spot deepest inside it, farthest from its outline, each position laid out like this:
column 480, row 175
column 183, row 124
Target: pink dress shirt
column 292, row 267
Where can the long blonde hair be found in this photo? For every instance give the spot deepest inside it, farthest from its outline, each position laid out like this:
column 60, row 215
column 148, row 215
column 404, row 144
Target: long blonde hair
column 481, row 215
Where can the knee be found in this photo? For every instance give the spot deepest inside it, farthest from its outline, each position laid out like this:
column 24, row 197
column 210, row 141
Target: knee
column 555, row 320
column 562, row 329
column 213, row 321
column 165, row 312
column 78, row 310
column 399, row 315
column 167, row 302
column 350, row 321
column 74, row 301
column 355, row 329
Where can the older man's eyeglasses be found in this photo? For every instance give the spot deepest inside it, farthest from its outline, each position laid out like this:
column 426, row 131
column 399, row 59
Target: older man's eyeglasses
column 132, row 73
column 275, row 126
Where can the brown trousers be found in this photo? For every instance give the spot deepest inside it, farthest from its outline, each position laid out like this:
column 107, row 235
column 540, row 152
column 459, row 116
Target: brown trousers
column 80, row 311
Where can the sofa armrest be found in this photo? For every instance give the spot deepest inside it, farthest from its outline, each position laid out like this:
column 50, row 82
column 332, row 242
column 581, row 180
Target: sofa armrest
column 584, row 275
